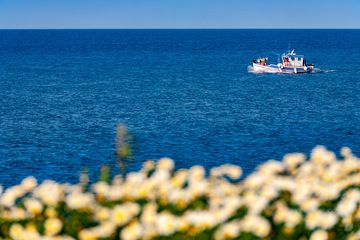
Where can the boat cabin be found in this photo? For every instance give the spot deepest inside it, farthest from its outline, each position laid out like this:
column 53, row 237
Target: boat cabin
column 293, row 60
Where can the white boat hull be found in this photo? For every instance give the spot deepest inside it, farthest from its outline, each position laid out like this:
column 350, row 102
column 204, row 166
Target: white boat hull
column 265, row 68
column 281, row 69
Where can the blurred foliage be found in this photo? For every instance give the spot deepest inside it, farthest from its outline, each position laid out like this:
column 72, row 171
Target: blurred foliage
column 296, row 198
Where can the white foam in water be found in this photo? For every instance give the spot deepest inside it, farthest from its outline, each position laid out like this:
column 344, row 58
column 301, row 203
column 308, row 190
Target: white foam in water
column 318, row 70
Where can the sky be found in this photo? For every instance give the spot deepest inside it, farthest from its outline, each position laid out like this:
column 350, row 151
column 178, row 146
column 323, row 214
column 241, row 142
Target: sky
column 65, row 14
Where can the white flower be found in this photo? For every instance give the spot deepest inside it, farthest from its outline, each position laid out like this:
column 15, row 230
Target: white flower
column 148, row 215
column 346, row 152
column 255, row 180
column 17, row 232
column 102, row 214
column 104, row 230
column 165, row 164
column 52, row 226
column 115, row 193
column 353, row 194
column 328, row 220
column 49, row 192
column 122, row 214
column 319, row 235
column 269, row 192
column 28, row 184
column 328, row 192
column 196, row 173
column 17, row 213
column 271, row 167
column 135, row 178
column 166, row 224
column 325, row 220
column 345, row 208
column 132, row 232
column 309, row 205
column 201, row 219
column 228, row 231
column 293, row 218
column 321, row 155
column 78, row 200
column 101, row 188
column 293, row 160
column 33, row 206
column 231, row 171
column 9, row 197
column 256, row 224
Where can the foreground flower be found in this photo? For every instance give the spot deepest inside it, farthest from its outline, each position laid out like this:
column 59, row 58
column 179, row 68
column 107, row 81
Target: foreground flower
column 295, row 198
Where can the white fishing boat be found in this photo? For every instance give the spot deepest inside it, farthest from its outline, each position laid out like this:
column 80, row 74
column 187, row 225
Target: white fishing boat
column 290, row 63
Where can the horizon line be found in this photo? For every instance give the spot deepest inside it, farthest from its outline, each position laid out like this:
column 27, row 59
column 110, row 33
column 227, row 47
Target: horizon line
column 250, row 28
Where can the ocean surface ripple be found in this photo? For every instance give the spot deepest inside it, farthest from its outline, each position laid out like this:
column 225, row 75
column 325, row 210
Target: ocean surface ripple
column 185, row 94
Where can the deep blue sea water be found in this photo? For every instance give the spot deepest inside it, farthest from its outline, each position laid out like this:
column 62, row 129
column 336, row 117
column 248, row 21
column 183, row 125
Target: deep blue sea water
column 185, row 94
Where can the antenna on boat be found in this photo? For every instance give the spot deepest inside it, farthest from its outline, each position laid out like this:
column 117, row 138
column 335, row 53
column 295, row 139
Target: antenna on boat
column 289, row 46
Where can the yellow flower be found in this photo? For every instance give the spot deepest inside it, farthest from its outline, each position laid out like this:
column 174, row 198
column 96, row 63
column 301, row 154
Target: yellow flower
column 52, row 226
column 166, row 224
column 183, row 224
column 122, row 214
column 79, row 200
column 87, row 235
column 51, row 212
column 28, row 184
column 320, row 155
column 165, row 164
column 228, row 231
column 9, row 197
column 102, row 214
column 101, row 189
column 325, row 220
column 346, row 208
column 148, row 165
column 133, row 231
column 49, row 192
column 288, row 230
column 232, row 171
column 17, row 213
column 17, row 232
column 179, row 178
column 346, row 152
column 31, row 227
column 248, row 206
column 319, row 235
column 256, row 224
column 293, row 160
column 33, row 206
column 148, row 215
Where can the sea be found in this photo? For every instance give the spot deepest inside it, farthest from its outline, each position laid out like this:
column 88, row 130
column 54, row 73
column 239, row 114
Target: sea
column 183, row 94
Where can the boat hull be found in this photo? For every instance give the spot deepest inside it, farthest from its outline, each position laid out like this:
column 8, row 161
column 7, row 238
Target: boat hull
column 272, row 68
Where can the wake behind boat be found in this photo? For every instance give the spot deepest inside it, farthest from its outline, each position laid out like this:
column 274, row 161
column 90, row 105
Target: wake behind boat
column 290, row 63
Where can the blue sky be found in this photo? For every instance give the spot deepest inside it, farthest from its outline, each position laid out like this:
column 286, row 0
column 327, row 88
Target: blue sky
column 179, row 14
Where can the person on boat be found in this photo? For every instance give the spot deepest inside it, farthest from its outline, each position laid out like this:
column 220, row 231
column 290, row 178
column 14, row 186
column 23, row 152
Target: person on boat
column 263, row 61
column 286, row 61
